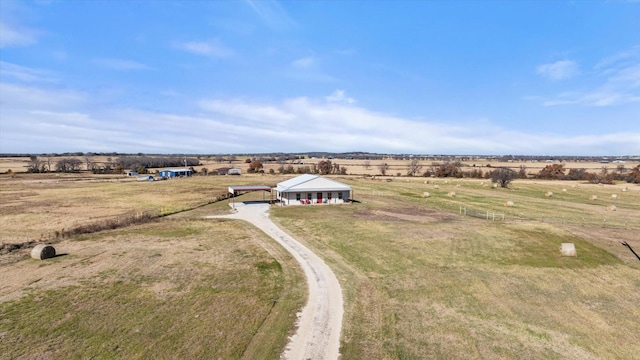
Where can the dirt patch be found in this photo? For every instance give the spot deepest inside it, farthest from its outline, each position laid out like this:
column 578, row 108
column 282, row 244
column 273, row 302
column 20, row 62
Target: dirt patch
column 407, row 214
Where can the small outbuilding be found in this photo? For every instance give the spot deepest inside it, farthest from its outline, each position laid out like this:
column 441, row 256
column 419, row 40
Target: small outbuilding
column 312, row 189
column 228, row 171
column 171, row 173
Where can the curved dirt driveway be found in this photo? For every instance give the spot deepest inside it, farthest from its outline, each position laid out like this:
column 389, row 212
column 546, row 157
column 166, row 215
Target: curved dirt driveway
column 319, row 324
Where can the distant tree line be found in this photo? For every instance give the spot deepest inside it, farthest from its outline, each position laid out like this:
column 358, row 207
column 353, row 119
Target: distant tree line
column 324, row 167
column 140, row 164
column 604, row 176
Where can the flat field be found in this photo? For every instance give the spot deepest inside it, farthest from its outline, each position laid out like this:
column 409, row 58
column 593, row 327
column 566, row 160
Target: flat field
column 420, row 280
column 352, row 166
column 172, row 287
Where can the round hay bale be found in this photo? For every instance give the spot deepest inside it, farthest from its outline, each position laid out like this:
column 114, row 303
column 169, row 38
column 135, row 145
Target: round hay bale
column 509, row 203
column 611, row 208
column 614, row 196
column 495, row 185
column 43, row 251
column 426, row 194
column 548, row 194
column 593, row 197
column 568, row 249
column 564, row 190
column 452, row 194
column 624, row 189
column 436, row 187
column 458, row 186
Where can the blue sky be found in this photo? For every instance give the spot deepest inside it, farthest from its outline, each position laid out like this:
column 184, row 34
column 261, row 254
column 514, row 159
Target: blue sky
column 423, row 77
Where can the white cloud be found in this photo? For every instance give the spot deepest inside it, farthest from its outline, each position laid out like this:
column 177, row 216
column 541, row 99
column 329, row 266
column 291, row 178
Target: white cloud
column 272, row 14
column 23, row 73
column 57, row 120
column 304, row 63
column 298, row 124
column 213, row 48
column 11, row 35
column 122, row 65
column 619, row 77
column 339, row 96
column 308, row 69
column 37, row 98
column 559, row 70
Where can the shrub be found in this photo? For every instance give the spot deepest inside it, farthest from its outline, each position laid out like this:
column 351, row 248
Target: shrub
column 554, row 171
column 503, row 176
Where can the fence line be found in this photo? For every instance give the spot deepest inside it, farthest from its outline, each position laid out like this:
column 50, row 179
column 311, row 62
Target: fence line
column 604, row 222
column 482, row 214
column 118, row 221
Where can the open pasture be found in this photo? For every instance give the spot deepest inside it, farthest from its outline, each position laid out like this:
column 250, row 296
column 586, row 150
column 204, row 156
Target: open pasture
column 352, row 166
column 419, row 279
column 422, row 281
column 173, row 288
column 36, row 206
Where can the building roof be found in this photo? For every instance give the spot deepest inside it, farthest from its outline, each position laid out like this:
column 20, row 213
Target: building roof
column 235, row 189
column 177, row 169
column 309, row 182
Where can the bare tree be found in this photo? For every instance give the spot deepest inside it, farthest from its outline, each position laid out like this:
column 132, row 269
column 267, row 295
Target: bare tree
column 414, row 167
column 522, row 173
column 35, row 164
column 503, row 176
column 48, row 164
column 325, row 167
column 367, row 164
column 383, row 168
column 89, row 163
column 68, row 165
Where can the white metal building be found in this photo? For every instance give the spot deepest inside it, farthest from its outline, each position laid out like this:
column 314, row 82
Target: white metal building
column 312, row 189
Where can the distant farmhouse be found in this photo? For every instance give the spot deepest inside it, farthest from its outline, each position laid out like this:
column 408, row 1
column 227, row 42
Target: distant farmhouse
column 171, row 173
column 312, row 189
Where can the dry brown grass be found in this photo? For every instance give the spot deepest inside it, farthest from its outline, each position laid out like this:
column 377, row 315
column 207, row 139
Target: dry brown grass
column 36, row 206
column 354, row 167
column 168, row 289
column 422, row 282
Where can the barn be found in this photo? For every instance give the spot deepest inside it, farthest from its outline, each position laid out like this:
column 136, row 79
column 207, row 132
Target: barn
column 171, row 173
column 312, row 189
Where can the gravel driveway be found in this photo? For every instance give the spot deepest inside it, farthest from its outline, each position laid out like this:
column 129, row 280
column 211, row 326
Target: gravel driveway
column 320, row 322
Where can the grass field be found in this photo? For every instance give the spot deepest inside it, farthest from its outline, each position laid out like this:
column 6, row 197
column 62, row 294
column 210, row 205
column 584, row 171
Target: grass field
column 175, row 287
column 424, row 282
column 420, row 280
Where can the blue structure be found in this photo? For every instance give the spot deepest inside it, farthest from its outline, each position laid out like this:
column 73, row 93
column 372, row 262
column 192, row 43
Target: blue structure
column 171, row 173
